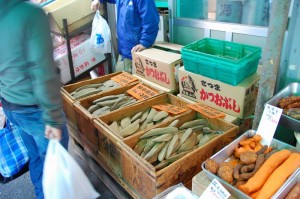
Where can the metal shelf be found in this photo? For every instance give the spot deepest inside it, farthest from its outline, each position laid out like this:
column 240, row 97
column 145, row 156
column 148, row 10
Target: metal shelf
column 75, row 32
column 68, row 36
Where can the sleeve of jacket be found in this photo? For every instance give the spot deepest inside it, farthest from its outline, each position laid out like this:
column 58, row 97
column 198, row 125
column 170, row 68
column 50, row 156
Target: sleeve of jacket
column 43, row 72
column 150, row 20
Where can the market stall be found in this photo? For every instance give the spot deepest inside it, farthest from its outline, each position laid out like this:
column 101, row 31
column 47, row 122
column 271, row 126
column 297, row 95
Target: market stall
column 187, row 107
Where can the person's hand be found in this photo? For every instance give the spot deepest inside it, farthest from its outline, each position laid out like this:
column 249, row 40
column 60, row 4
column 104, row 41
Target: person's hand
column 95, row 5
column 52, row 133
column 138, row 48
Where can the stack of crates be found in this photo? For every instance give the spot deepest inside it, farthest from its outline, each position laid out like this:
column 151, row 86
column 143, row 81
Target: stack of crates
column 226, row 61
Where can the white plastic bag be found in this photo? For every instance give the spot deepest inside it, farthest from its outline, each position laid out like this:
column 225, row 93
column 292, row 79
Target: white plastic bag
column 178, row 191
column 100, row 36
column 63, row 178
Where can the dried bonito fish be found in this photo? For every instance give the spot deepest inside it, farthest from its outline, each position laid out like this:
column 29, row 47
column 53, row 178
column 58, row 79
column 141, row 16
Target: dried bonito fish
column 91, row 89
column 172, row 142
column 146, row 119
column 110, row 103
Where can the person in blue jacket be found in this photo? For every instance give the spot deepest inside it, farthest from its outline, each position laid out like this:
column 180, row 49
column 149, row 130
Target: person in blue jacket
column 137, row 28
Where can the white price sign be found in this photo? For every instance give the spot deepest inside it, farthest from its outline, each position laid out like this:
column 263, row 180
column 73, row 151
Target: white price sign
column 268, row 123
column 215, row 191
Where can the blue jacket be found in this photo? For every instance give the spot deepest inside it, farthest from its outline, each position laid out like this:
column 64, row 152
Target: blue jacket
column 137, row 23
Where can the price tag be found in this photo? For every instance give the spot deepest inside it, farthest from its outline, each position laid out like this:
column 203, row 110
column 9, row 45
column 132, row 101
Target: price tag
column 124, row 79
column 170, row 108
column 142, row 92
column 215, row 191
column 268, row 123
column 206, row 110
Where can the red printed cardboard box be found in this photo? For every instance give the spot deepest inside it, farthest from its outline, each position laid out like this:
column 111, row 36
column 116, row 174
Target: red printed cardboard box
column 237, row 100
column 158, row 66
column 83, row 57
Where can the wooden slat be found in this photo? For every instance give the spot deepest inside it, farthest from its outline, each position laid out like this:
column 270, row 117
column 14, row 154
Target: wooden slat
column 109, row 151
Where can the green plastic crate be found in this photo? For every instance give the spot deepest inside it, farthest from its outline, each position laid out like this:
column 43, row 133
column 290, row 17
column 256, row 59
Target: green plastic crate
column 226, row 61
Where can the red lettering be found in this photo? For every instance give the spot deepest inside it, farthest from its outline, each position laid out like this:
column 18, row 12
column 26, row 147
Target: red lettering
column 236, row 108
column 158, row 75
column 203, row 95
column 218, row 100
column 211, row 96
column 75, row 55
column 227, row 103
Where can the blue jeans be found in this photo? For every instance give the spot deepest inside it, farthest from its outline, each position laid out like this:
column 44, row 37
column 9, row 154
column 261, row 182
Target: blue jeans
column 32, row 130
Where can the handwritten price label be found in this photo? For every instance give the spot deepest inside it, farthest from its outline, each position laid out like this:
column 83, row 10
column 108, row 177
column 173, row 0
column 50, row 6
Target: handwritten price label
column 170, row 108
column 206, row 110
column 142, row 92
column 124, row 79
column 268, row 123
column 215, row 191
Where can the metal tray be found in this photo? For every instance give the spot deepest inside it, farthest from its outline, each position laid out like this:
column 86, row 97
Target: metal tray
column 291, row 90
column 288, row 185
column 224, row 154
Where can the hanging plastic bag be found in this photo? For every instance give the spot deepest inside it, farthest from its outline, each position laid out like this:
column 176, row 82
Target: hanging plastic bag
column 100, row 36
column 63, row 177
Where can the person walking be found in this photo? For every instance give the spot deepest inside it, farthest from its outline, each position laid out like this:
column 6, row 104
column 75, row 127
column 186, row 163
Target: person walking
column 30, row 83
column 137, row 28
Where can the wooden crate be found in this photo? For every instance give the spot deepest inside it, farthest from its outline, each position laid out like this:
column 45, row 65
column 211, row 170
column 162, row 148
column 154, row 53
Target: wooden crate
column 85, row 122
column 109, row 147
column 141, row 175
column 68, row 100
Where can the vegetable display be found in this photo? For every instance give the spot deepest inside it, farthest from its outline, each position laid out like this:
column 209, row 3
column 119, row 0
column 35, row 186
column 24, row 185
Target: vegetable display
column 258, row 171
column 291, row 106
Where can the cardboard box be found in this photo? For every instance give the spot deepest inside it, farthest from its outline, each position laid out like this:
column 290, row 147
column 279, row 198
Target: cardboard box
column 83, row 57
column 77, row 12
column 157, row 65
column 237, row 100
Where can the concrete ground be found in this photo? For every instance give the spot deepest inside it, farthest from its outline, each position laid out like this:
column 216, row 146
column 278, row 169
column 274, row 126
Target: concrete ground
column 21, row 188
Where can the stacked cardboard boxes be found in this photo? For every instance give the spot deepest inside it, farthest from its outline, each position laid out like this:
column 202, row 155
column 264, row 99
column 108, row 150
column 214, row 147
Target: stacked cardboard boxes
column 158, row 64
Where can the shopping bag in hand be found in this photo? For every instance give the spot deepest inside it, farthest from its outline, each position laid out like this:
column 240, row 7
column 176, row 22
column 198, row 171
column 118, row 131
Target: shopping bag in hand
column 100, row 36
column 63, row 177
